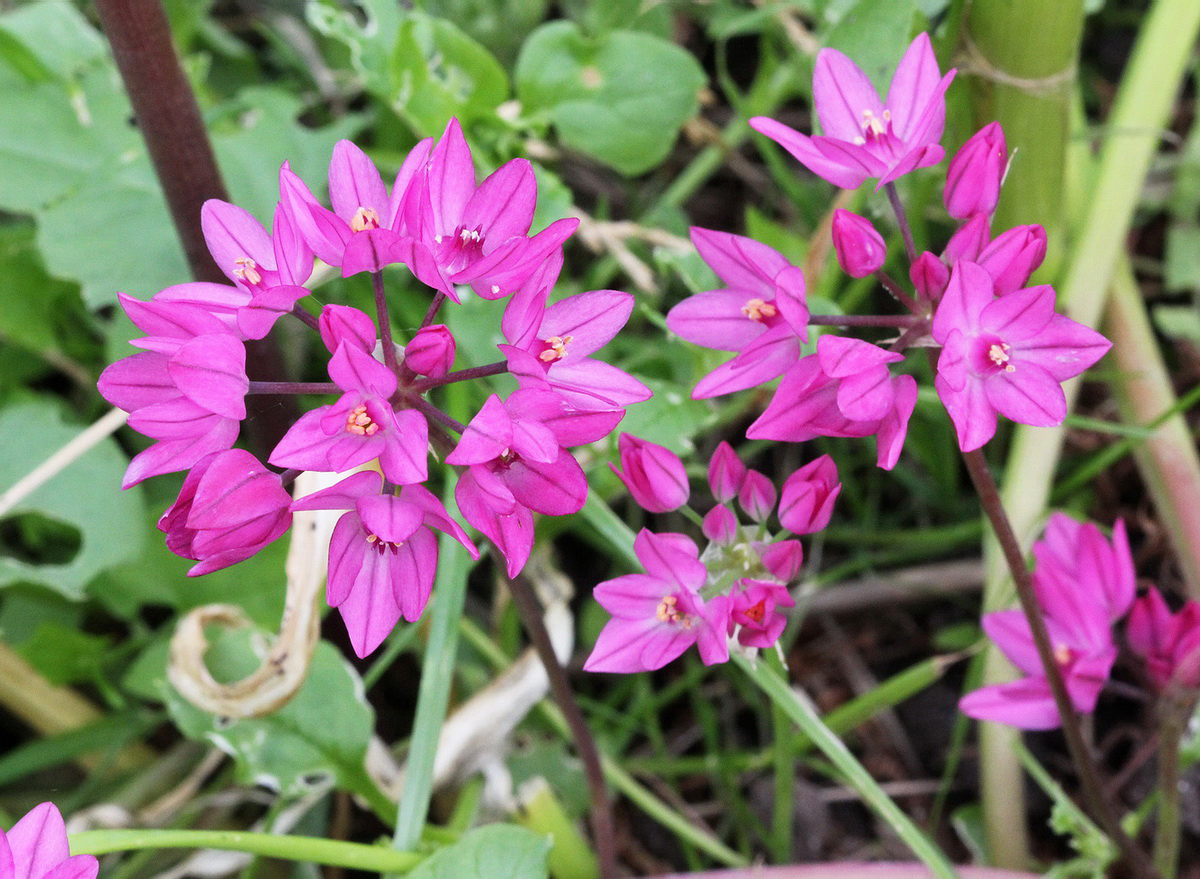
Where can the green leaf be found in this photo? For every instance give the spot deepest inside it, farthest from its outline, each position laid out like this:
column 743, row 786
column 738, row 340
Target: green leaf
column 875, row 35
column 33, row 301
column 64, row 654
column 86, row 497
column 620, row 97
column 322, row 732
column 498, row 851
column 1182, row 262
column 439, row 72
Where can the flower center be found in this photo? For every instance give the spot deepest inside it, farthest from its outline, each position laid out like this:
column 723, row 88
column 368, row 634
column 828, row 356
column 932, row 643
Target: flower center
column 998, row 354
column 382, row 546
column 246, row 269
column 669, row 613
column 556, row 348
column 875, row 126
column 360, row 423
column 756, row 612
column 1062, row 654
column 758, row 310
column 364, row 219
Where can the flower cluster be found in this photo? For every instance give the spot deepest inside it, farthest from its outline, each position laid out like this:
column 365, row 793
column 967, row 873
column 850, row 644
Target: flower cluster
column 732, row 592
column 1002, row 348
column 36, row 848
column 187, row 388
column 1084, row 583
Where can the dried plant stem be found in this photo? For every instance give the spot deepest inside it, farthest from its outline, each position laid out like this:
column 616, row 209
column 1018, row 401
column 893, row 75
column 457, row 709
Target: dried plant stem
column 1093, row 791
column 601, row 813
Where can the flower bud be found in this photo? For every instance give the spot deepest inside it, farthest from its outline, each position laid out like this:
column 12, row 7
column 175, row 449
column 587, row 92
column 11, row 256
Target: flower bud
column 653, row 474
column 929, row 275
column 1014, row 256
column 431, row 351
column 229, row 508
column 757, row 496
column 970, row 240
column 976, row 172
column 1169, row 643
column 783, row 559
column 720, row 525
column 860, row 249
column 808, row 495
column 726, row 473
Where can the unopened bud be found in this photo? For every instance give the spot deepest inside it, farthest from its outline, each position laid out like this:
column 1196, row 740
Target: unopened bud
column 860, row 249
column 975, row 173
column 431, row 351
column 808, row 495
column 653, row 474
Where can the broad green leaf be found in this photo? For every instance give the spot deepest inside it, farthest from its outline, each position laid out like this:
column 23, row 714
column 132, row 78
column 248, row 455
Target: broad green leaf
column 64, row 654
column 500, row 25
column 620, row 97
column 33, row 301
column 498, row 851
column 874, row 35
column 368, row 30
column 439, row 72
column 1182, row 263
column 670, row 418
column 322, row 732
column 85, row 497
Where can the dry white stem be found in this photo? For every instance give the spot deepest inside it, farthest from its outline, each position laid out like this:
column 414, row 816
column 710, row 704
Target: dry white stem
column 285, row 666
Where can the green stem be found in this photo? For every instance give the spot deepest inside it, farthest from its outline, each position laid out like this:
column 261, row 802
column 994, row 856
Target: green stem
column 800, row 710
column 307, row 849
column 437, row 674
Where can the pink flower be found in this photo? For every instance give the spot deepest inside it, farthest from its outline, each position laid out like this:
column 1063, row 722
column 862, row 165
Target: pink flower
column 845, row 389
column 1083, row 584
column 229, row 508
column 863, row 136
column 720, row 524
column 1007, row 355
column 860, row 250
column 755, row 614
column 653, row 474
column 518, row 466
column 658, row 615
column 1168, row 642
column 757, row 496
column 36, row 848
column 806, row 503
column 383, row 554
column 761, row 314
column 360, row 427
column 976, row 172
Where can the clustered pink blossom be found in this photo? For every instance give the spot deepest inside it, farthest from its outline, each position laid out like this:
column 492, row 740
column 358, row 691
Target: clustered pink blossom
column 1084, row 583
column 36, row 848
column 736, row 590
column 187, row 388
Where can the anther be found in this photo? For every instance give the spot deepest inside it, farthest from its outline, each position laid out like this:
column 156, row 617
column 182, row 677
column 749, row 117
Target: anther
column 556, row 348
column 360, row 423
column 247, row 270
column 364, row 219
column 758, row 310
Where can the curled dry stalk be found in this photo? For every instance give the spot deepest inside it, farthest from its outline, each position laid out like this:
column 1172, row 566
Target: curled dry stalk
column 285, row 666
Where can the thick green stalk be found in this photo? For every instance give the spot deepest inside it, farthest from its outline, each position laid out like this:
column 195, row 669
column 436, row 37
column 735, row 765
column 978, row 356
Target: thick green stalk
column 437, row 674
column 306, row 849
column 1022, row 74
column 1168, row 461
column 1143, row 102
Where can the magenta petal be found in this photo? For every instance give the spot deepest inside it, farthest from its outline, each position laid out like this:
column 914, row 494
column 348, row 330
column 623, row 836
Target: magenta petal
column 257, row 318
column 1064, row 348
column 388, row 518
column 370, row 611
column 555, row 489
column 637, row 645
column 894, row 428
column 803, row 149
column 233, row 234
column 1029, row 395
column 913, row 85
column 973, row 416
column 866, row 396
column 502, row 207
column 487, row 436
column 413, row 571
column 347, row 546
column 767, row 357
column 1020, row 315
column 967, row 294
column 169, row 456
column 715, row 320
column 136, row 381
column 342, row 323
column 373, row 249
column 405, row 453
column 211, row 372
column 1025, row 704
column 355, row 370
column 354, row 183
column 742, row 263
column 842, row 356
column 842, row 93
column 451, row 178
column 590, row 319
column 38, row 842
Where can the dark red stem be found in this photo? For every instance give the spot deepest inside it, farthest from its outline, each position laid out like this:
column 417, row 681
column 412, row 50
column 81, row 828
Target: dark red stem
column 899, row 321
column 179, row 148
column 462, row 375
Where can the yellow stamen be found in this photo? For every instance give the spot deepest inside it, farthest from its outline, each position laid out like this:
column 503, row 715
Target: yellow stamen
column 1062, row 654
column 247, row 270
column 360, row 423
column 998, row 354
column 758, row 310
column 364, row 219
column 557, row 350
